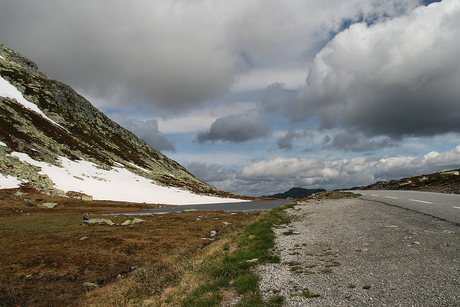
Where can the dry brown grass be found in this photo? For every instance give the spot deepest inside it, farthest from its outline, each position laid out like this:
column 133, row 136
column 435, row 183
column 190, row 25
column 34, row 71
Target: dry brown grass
column 44, row 262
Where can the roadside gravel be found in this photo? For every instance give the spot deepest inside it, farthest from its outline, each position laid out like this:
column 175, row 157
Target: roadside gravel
column 353, row 252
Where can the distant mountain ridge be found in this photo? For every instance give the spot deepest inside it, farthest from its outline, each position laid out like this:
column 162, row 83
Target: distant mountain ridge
column 47, row 125
column 296, row 193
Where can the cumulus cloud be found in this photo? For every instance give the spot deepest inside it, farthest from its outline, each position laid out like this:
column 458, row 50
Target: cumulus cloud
column 146, row 130
column 397, row 78
column 342, row 173
column 236, row 128
column 355, row 141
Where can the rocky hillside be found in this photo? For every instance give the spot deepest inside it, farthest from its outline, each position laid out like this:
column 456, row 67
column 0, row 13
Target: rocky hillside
column 441, row 182
column 53, row 139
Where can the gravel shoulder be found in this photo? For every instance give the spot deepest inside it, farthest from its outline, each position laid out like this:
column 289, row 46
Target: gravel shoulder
column 353, row 252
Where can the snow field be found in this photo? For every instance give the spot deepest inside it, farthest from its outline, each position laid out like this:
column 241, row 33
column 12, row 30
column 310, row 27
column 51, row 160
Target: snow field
column 118, row 184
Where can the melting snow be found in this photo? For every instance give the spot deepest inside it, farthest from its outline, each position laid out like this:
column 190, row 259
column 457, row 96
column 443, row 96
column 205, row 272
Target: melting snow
column 141, row 168
column 116, row 184
column 10, row 91
column 8, row 182
column 3, row 144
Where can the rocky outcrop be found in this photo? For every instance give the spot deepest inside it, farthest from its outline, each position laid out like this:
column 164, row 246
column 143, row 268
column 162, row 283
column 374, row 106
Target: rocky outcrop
column 442, row 182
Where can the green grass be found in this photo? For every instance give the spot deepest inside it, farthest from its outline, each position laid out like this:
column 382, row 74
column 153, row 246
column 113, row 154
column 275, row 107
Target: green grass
column 307, row 294
column 233, row 268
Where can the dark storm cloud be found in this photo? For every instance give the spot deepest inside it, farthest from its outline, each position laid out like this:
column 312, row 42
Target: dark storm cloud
column 236, row 129
column 172, row 55
column 169, row 54
column 397, row 79
column 146, row 130
column 354, row 141
column 286, row 141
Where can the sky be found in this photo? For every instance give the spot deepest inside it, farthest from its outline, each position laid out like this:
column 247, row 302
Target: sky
column 256, row 97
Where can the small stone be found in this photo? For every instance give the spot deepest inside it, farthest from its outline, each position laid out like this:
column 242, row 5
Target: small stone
column 252, row 260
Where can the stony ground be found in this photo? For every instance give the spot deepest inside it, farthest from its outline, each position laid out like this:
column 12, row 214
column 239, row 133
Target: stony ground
column 352, row 252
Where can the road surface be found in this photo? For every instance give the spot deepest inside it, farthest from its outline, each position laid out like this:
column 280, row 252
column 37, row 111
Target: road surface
column 444, row 206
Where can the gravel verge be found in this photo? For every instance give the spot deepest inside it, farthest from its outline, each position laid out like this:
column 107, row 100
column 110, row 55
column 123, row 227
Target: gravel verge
column 353, row 252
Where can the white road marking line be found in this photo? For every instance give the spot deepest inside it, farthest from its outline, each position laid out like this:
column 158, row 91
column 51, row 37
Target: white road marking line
column 391, row 197
column 374, row 195
column 421, row 201
column 456, row 207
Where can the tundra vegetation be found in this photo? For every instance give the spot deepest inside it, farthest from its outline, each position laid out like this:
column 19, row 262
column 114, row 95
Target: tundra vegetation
column 51, row 258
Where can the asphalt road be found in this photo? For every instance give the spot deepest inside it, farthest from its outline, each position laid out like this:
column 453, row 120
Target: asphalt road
column 444, row 206
column 241, row 206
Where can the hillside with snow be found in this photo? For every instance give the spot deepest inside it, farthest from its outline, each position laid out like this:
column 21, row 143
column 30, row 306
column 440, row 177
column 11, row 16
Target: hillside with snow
column 54, row 140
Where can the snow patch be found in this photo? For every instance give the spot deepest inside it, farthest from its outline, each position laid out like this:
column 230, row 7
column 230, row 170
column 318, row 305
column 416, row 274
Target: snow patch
column 141, row 168
column 3, row 144
column 116, row 184
column 10, row 91
column 9, row 182
column 2, row 57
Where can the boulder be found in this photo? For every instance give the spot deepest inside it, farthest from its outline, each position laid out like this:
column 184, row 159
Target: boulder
column 101, row 221
column 49, row 205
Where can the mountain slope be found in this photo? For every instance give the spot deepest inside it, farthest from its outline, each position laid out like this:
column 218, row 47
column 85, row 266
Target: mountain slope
column 53, row 139
column 440, row 182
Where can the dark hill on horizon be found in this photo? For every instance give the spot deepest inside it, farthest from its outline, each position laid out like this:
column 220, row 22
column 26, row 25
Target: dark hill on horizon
column 295, row 193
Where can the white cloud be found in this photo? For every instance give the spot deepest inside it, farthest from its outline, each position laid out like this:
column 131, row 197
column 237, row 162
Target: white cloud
column 281, row 173
column 398, row 78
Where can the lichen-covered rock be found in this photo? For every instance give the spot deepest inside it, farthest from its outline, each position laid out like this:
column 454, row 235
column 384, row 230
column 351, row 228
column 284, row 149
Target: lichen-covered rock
column 49, row 205
column 100, row 221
